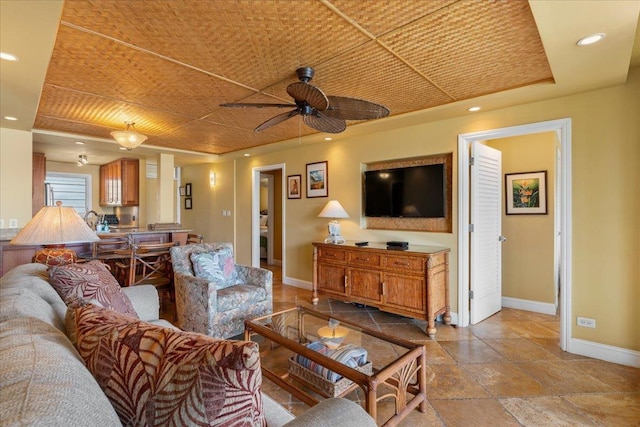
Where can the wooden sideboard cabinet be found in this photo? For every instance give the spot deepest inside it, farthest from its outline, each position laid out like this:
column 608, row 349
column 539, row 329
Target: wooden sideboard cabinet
column 412, row 283
column 119, row 183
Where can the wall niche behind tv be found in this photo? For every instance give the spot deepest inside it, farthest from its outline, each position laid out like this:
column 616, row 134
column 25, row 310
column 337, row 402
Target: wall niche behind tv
column 436, row 225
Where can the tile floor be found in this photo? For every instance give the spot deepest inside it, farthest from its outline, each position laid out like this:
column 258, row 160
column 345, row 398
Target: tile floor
column 506, row 371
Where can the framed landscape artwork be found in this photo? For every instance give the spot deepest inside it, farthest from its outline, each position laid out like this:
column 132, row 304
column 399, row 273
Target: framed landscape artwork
column 317, row 180
column 294, row 183
column 526, row 193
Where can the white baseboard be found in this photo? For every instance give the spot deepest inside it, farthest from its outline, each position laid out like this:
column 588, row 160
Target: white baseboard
column 621, row 356
column 523, row 304
column 303, row 284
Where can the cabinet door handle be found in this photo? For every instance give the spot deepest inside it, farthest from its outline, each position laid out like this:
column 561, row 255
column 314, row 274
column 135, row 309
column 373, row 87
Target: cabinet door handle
column 346, row 283
column 401, row 263
column 384, row 288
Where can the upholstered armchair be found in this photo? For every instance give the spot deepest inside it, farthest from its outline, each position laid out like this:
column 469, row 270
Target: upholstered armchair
column 214, row 295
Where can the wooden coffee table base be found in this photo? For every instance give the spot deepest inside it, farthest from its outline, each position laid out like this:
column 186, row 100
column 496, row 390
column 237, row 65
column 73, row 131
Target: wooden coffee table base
column 406, row 377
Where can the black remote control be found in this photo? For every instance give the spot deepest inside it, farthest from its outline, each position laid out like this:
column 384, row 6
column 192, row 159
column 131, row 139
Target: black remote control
column 362, row 243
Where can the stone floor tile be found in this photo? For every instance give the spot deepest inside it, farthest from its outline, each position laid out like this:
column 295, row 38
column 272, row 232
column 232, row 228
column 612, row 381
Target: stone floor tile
column 471, row 351
column 473, row 412
column 562, row 377
column 504, row 380
column 519, row 349
column 545, row 411
column 452, row 382
column 611, row 409
column 618, row 377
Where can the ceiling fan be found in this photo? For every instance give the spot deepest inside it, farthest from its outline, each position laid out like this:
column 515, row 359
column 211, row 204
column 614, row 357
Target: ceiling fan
column 319, row 111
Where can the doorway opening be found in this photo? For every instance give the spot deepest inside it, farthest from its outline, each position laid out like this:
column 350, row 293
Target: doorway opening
column 268, row 216
column 562, row 128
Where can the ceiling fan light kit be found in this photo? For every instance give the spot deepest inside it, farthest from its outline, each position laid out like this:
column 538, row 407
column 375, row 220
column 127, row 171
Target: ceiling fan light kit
column 129, row 138
column 319, row 111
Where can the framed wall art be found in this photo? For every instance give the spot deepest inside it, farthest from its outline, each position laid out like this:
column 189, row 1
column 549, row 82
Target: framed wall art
column 317, row 180
column 187, row 203
column 526, row 193
column 187, row 189
column 294, row 187
column 183, row 192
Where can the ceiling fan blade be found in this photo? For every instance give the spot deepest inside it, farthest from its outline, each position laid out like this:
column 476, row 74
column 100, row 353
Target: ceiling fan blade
column 324, row 123
column 256, row 105
column 277, row 119
column 301, row 91
column 346, row 108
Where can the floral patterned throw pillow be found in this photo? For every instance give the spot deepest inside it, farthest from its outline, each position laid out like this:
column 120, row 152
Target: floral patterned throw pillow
column 87, row 281
column 157, row 376
column 217, row 267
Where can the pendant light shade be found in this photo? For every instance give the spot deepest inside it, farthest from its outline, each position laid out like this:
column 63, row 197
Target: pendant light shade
column 129, row 138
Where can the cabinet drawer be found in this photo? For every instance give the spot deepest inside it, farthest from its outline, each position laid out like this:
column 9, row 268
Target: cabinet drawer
column 406, row 263
column 364, row 259
column 331, row 254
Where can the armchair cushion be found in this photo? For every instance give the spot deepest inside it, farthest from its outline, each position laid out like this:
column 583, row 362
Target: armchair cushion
column 217, row 267
column 240, row 296
column 91, row 280
column 160, row 376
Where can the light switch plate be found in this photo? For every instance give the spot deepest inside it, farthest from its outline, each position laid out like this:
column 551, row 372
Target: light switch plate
column 1, row 223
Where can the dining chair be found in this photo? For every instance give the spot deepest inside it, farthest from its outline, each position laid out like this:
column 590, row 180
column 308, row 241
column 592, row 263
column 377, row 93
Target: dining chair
column 150, row 263
column 194, row 238
column 111, row 250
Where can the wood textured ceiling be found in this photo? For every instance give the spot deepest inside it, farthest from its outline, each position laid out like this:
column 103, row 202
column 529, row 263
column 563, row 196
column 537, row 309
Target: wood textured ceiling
column 168, row 65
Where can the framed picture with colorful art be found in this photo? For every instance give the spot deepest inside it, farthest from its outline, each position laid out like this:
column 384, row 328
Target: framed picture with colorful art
column 526, row 193
column 317, row 180
column 294, row 190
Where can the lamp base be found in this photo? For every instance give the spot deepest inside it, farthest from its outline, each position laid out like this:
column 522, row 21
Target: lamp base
column 334, row 233
column 336, row 240
column 51, row 256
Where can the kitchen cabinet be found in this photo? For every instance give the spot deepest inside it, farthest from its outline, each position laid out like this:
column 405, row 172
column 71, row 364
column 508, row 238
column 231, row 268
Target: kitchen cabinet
column 119, row 183
column 412, row 283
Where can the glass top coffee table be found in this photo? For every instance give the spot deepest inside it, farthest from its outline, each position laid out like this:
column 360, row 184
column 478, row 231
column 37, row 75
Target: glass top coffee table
column 309, row 353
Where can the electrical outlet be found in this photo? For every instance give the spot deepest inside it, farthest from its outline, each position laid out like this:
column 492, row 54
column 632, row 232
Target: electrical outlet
column 13, row 223
column 586, row 322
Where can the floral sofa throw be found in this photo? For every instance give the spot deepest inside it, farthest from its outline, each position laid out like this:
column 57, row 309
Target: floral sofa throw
column 214, row 295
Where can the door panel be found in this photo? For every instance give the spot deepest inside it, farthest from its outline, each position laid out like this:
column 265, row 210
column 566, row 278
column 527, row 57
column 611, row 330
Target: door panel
column 486, row 217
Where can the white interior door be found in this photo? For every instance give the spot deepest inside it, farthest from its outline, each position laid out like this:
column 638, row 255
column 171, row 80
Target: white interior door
column 485, row 282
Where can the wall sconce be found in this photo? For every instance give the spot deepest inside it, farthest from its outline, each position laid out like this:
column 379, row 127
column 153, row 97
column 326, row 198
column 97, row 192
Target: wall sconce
column 212, row 179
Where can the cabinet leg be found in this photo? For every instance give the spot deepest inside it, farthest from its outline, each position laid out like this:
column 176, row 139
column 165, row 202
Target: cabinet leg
column 446, row 318
column 431, row 328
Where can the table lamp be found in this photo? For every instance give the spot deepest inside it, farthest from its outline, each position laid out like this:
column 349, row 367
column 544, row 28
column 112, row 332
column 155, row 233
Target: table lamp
column 334, row 210
column 53, row 227
column 333, row 334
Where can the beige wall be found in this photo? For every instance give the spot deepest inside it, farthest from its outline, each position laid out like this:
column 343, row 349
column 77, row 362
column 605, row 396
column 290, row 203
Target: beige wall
column 605, row 173
column 528, row 252
column 16, row 159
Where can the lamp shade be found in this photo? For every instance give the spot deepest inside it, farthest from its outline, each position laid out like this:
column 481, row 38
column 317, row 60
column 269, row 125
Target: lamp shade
column 55, row 225
column 129, row 138
column 333, row 209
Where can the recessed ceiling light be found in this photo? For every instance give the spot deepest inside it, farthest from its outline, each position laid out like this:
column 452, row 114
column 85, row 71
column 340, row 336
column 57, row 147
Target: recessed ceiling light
column 123, row 148
column 79, row 142
column 246, row 154
column 13, row 119
column 8, row 57
column 472, row 109
column 593, row 38
column 328, row 138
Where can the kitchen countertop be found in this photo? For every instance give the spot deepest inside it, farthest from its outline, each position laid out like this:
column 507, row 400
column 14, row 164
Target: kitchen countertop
column 143, row 230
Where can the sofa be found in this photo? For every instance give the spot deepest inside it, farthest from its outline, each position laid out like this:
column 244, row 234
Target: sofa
column 46, row 380
column 214, row 295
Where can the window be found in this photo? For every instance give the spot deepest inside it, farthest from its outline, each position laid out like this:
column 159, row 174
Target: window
column 72, row 189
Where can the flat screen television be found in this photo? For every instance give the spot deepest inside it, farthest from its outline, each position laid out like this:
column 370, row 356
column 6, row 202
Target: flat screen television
column 412, row 192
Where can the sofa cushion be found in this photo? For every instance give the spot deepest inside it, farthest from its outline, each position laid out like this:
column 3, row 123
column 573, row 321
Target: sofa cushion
column 43, row 381
column 240, row 297
column 226, row 265
column 160, row 376
column 91, row 280
column 18, row 302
